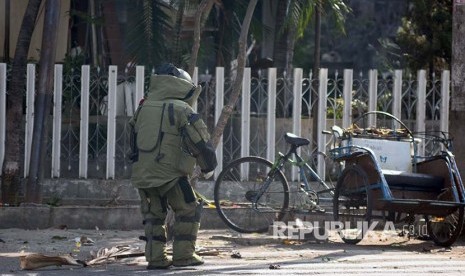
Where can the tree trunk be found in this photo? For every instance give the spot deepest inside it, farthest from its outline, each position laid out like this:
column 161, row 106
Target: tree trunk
column 12, row 164
column 43, row 100
column 94, row 42
column 6, row 42
column 177, row 51
column 283, row 50
column 316, row 70
column 457, row 114
column 202, row 12
column 236, row 88
column 280, row 40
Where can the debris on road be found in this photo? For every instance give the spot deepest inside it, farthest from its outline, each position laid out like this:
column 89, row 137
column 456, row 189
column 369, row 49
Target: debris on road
column 108, row 255
column 105, row 255
column 83, row 240
column 236, row 254
column 35, row 261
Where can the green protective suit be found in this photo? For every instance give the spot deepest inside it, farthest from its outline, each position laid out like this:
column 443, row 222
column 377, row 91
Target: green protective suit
column 163, row 165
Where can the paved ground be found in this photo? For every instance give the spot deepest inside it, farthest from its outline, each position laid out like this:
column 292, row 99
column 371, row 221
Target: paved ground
column 259, row 254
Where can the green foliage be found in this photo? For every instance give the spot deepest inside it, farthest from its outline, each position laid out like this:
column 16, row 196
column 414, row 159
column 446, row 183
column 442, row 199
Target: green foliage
column 302, row 13
column 150, row 28
column 336, row 108
column 425, row 36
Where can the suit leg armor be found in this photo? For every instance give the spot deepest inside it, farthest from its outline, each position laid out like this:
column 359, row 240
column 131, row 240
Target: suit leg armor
column 188, row 212
column 153, row 208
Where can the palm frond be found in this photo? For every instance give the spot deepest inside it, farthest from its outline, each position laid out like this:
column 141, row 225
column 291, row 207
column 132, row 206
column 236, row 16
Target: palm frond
column 150, row 26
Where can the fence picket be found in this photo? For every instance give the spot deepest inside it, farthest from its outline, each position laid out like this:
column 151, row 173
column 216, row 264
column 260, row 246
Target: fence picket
column 297, row 110
column 397, row 94
column 445, row 97
column 271, row 115
column 245, row 121
column 140, row 77
column 57, row 112
column 2, row 112
column 219, row 103
column 84, row 122
column 421, row 107
column 347, row 94
column 111, row 124
column 29, row 127
column 245, row 113
column 322, row 108
column 372, row 94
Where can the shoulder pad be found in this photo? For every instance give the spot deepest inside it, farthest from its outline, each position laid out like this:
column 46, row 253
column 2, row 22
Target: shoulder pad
column 193, row 117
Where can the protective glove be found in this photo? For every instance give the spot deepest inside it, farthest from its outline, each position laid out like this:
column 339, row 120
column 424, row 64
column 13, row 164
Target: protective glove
column 209, row 174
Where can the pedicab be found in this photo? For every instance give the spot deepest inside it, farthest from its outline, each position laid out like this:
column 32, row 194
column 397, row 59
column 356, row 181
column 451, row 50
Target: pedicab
column 390, row 175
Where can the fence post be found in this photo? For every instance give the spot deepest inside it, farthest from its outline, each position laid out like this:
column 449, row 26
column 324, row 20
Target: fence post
column 245, row 113
column 347, row 94
column 245, row 121
column 128, row 98
column 372, row 95
column 445, row 96
column 421, row 107
column 397, row 94
column 84, row 123
column 219, row 103
column 111, row 121
column 322, row 108
column 30, row 92
column 271, row 115
column 2, row 112
column 195, row 80
column 297, row 111
column 57, row 109
column 140, row 79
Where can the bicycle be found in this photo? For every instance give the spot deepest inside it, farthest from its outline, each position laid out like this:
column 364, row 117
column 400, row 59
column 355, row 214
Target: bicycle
column 252, row 192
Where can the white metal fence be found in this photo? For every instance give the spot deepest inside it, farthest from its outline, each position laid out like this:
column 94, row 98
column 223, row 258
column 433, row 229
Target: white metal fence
column 90, row 135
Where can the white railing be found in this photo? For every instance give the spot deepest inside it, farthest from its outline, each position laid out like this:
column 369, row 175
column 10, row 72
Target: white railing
column 133, row 92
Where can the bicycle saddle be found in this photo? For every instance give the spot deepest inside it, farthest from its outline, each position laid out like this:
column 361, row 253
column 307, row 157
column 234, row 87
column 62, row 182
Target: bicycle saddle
column 295, row 140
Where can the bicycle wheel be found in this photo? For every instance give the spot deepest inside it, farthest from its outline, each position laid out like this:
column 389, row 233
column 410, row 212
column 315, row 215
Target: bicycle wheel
column 445, row 230
column 352, row 204
column 237, row 186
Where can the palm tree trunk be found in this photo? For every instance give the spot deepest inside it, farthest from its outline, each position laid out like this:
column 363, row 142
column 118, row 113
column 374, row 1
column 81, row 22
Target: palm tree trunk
column 43, row 100
column 457, row 115
column 11, row 166
column 316, row 67
column 6, row 42
column 177, row 52
column 95, row 54
column 280, row 40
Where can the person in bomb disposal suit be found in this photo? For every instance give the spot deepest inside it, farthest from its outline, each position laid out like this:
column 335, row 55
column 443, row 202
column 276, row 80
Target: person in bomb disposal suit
column 168, row 139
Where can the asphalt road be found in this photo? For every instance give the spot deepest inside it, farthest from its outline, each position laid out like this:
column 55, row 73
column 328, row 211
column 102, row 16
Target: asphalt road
column 227, row 253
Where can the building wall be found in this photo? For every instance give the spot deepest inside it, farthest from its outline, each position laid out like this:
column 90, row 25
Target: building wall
column 18, row 8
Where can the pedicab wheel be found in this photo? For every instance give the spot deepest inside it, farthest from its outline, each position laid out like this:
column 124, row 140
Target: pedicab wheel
column 352, row 204
column 236, row 188
column 444, row 231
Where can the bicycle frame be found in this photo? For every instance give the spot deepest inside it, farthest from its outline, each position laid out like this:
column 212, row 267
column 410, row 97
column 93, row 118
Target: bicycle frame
column 304, row 168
